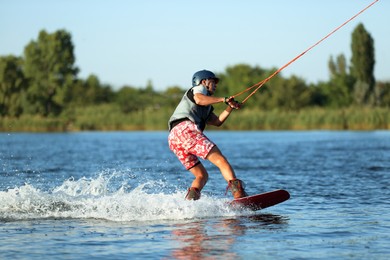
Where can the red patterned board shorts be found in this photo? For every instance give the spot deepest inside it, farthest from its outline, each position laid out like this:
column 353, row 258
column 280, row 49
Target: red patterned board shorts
column 189, row 143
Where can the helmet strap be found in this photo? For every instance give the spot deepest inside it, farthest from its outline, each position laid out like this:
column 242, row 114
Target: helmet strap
column 207, row 86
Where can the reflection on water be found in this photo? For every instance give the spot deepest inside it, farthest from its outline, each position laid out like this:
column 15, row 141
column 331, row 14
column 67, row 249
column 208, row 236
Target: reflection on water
column 216, row 238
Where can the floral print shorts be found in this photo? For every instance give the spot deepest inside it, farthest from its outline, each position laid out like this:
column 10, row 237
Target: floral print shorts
column 189, row 143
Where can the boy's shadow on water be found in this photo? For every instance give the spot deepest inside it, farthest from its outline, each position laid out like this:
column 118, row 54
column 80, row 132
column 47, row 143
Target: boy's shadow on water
column 267, row 220
column 210, row 238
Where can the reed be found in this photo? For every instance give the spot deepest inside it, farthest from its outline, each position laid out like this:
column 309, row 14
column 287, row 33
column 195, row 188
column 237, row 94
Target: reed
column 27, row 123
column 110, row 118
column 353, row 118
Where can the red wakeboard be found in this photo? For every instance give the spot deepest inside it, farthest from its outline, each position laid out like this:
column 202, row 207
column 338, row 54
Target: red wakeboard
column 261, row 201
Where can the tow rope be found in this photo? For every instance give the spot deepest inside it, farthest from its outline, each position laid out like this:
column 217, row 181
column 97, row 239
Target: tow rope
column 259, row 84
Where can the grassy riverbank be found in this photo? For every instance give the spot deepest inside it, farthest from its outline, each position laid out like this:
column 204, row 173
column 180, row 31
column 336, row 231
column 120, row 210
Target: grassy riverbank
column 110, row 118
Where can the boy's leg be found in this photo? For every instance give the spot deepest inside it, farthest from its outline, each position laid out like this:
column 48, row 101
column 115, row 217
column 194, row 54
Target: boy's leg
column 235, row 185
column 201, row 176
column 216, row 157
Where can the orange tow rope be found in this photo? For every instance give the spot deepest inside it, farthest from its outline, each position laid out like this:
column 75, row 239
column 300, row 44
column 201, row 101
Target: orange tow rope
column 258, row 85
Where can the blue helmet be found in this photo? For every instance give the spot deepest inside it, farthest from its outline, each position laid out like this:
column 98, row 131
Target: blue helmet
column 201, row 75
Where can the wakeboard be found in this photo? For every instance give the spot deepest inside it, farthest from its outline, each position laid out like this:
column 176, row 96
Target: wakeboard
column 261, row 201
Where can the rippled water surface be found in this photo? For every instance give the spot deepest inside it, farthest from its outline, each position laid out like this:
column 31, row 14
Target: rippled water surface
column 121, row 195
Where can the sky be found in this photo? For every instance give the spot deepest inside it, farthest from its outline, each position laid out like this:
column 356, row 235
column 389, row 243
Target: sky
column 131, row 42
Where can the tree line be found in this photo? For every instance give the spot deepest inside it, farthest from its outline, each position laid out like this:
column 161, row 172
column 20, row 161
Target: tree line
column 44, row 82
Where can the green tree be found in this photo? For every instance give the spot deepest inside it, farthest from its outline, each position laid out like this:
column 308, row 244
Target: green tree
column 362, row 65
column 49, row 66
column 129, row 99
column 89, row 92
column 172, row 95
column 286, row 94
column 383, row 93
column 317, row 96
column 149, row 87
column 12, row 85
column 92, row 90
column 339, row 90
column 239, row 77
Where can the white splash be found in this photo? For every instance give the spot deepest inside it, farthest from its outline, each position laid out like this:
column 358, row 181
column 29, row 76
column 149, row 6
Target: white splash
column 91, row 198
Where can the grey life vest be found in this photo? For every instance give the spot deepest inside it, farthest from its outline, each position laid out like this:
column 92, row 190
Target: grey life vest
column 187, row 109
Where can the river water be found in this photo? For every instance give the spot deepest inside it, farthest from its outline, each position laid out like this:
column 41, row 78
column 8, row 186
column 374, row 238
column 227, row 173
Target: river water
column 120, row 195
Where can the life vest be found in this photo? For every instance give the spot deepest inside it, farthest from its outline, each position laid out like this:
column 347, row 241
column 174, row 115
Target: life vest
column 187, row 109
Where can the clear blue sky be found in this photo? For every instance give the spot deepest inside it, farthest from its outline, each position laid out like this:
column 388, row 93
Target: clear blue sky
column 166, row 41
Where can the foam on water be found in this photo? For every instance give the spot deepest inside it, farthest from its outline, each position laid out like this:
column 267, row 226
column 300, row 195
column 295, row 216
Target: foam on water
column 91, row 198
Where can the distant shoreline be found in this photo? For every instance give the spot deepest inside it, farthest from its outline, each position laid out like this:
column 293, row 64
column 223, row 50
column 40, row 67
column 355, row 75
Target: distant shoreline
column 156, row 120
